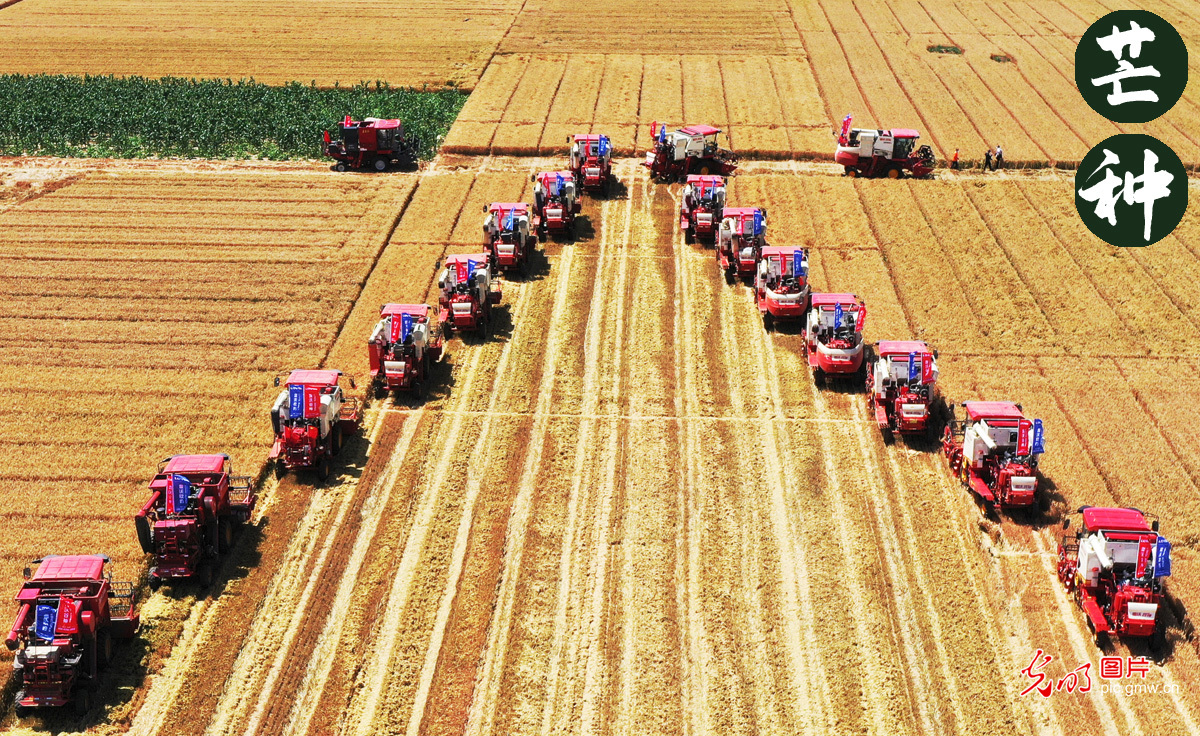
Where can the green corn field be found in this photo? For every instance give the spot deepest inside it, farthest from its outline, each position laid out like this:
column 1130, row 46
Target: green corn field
column 135, row 117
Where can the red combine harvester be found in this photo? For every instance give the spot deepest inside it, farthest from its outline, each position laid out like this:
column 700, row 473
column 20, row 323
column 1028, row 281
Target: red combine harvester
column 402, row 346
column 69, row 611
column 701, row 199
column 781, row 284
column 690, row 150
column 467, row 293
column 876, row 153
column 833, row 337
column 994, row 451
column 555, row 202
column 312, row 418
column 1115, row 566
column 740, row 236
column 195, row 501
column 591, row 161
column 373, row 143
column 902, row 386
column 506, row 235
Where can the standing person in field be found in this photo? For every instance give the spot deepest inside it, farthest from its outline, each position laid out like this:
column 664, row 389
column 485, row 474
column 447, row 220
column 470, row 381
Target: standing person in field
column 999, row 156
column 987, row 160
column 954, row 160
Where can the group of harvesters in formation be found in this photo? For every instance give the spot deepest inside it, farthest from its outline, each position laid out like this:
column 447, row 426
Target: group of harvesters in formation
column 70, row 611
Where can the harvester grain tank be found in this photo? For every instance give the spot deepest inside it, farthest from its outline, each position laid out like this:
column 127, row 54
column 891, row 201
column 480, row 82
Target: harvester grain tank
column 371, row 143
column 467, row 293
column 555, row 203
column 781, row 287
column 508, row 234
column 687, row 151
column 877, row 153
column 833, row 335
column 994, row 450
column 700, row 203
column 591, row 161
column 740, row 237
column 902, row 386
column 402, row 347
column 312, row 419
column 188, row 523
column 1115, row 566
column 69, row 611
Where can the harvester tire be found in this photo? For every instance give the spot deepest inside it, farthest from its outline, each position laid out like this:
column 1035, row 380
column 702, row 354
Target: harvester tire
column 380, row 390
column 381, row 164
column 335, row 440
column 687, row 236
column 893, row 173
column 323, row 468
column 340, row 166
column 730, row 276
column 104, row 647
column 83, row 701
column 225, row 536
column 1158, row 641
column 204, row 574
column 851, row 172
column 280, row 468
column 768, row 322
column 704, row 170
column 144, row 535
column 22, row 711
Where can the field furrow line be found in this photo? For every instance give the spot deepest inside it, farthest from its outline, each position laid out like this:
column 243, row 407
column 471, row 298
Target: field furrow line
column 365, row 705
column 307, row 698
column 1082, row 648
column 486, row 696
column 288, row 599
column 804, row 661
column 580, row 497
column 693, row 648
column 595, row 680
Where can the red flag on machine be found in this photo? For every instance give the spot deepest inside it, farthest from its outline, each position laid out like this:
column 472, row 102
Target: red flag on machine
column 68, row 616
column 395, row 331
column 862, row 318
column 1024, row 429
column 461, row 269
column 844, row 138
column 312, row 402
column 927, row 368
column 1143, row 557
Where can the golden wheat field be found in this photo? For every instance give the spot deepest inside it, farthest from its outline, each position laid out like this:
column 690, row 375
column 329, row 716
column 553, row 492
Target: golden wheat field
column 631, row 510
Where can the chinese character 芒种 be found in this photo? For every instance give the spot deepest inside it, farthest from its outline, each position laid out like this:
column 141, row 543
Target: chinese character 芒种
column 1145, row 189
column 1115, row 44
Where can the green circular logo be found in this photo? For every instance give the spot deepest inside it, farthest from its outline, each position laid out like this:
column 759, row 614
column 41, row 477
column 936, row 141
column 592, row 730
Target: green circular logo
column 1131, row 66
column 1131, row 190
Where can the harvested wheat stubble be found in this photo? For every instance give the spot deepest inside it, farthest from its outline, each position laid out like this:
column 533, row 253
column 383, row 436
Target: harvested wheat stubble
column 446, row 41
column 434, row 209
column 487, row 188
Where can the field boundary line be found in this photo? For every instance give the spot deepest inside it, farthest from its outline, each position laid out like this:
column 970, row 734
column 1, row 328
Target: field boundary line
column 490, row 674
column 313, row 684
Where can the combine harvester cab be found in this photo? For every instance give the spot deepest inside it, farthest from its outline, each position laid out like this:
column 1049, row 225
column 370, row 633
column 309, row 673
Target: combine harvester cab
column 555, row 203
column 68, row 613
column 591, row 161
column 877, row 153
column 902, row 387
column 507, row 236
column 740, row 237
column 188, row 523
column 701, row 199
column 467, row 294
column 781, row 287
column 1115, row 566
column 312, row 418
column 687, row 151
column 833, row 335
column 995, row 451
column 402, row 347
column 371, row 143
